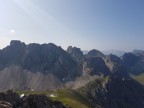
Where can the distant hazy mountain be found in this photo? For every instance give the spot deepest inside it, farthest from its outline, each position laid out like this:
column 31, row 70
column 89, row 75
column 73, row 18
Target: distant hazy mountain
column 139, row 53
column 114, row 52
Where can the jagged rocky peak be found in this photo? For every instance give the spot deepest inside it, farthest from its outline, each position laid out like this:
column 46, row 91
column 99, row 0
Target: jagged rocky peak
column 129, row 59
column 129, row 56
column 95, row 53
column 113, row 58
column 44, row 48
column 33, row 45
column 74, row 51
column 43, row 58
column 12, row 54
column 16, row 43
column 51, row 46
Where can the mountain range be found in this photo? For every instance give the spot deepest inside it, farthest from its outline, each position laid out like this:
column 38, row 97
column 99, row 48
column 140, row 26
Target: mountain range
column 104, row 81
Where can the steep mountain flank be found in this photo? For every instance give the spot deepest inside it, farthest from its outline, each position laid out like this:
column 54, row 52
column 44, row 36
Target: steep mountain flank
column 139, row 78
column 114, row 92
column 133, row 63
column 75, row 53
column 129, row 59
column 94, row 66
column 15, row 78
column 47, row 64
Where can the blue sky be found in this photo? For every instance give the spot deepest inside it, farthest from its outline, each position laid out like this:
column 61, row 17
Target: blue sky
column 88, row 24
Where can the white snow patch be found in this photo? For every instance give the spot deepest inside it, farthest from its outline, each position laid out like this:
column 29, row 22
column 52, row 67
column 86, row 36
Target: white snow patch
column 52, row 95
column 22, row 95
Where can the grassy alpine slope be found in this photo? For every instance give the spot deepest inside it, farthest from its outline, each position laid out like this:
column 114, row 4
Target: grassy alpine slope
column 140, row 78
column 105, row 92
column 68, row 97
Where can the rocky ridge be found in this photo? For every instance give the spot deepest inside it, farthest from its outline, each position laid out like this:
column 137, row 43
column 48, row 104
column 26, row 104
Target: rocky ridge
column 11, row 99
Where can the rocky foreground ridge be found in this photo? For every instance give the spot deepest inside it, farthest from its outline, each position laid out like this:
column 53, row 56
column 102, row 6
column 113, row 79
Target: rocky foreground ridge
column 11, row 99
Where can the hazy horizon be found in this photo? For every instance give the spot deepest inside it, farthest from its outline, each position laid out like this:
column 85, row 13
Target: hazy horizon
column 95, row 24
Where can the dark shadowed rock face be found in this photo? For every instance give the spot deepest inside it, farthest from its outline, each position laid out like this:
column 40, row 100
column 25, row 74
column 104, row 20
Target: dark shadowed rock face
column 94, row 66
column 113, row 58
column 75, row 53
column 114, row 92
column 115, row 65
column 45, row 58
column 48, row 58
column 133, row 63
column 10, row 99
column 12, row 54
column 4, row 104
column 129, row 59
